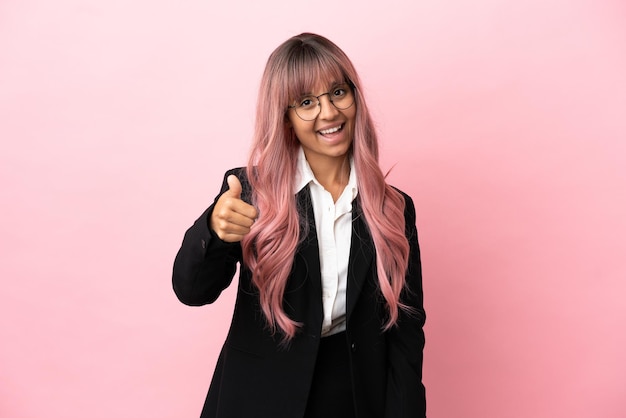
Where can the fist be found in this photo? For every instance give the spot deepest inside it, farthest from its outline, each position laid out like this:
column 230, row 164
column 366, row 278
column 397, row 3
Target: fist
column 232, row 218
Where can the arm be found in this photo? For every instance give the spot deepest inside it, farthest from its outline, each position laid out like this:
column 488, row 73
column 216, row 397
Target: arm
column 205, row 265
column 405, row 391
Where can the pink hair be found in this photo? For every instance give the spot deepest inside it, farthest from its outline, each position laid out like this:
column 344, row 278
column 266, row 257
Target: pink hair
column 295, row 67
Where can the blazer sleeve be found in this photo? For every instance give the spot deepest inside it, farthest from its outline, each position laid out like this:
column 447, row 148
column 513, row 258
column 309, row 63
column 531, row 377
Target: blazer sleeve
column 205, row 265
column 406, row 395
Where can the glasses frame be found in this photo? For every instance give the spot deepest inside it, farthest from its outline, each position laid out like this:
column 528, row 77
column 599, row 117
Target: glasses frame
column 350, row 85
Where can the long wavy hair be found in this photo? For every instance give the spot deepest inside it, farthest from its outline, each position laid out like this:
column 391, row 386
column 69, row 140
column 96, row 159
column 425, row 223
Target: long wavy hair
column 297, row 66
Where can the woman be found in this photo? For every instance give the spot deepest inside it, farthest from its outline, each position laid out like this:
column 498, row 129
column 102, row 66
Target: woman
column 329, row 314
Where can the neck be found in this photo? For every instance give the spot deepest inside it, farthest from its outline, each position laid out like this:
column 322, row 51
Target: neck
column 333, row 174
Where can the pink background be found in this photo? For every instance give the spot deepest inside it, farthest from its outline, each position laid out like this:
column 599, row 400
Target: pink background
column 506, row 122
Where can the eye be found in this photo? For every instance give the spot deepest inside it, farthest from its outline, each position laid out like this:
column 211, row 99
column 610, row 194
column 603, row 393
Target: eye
column 339, row 92
column 306, row 102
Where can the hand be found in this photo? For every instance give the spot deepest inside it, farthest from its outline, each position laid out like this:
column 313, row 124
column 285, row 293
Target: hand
column 232, row 218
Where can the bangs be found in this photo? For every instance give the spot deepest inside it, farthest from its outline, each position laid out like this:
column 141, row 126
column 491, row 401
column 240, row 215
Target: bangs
column 308, row 69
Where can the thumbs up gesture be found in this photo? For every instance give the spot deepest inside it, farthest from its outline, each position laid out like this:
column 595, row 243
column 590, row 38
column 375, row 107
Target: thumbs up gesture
column 232, row 218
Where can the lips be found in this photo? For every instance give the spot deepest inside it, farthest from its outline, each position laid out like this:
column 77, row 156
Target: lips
column 331, row 130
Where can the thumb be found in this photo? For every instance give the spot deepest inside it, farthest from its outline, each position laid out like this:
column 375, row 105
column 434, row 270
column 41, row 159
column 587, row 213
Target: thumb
column 234, row 186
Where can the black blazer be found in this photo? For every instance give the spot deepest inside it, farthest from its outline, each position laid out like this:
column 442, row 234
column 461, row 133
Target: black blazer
column 257, row 377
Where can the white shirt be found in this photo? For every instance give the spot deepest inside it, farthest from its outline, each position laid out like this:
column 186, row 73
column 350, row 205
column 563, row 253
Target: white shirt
column 333, row 224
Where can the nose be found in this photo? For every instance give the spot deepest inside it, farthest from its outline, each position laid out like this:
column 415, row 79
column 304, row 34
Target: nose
column 327, row 110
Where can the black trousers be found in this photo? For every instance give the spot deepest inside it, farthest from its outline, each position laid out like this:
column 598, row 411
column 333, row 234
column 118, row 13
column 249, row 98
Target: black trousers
column 331, row 390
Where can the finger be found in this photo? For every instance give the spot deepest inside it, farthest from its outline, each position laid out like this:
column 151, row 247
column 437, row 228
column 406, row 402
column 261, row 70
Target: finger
column 235, row 218
column 234, row 186
column 231, row 237
column 225, row 220
column 234, row 229
column 229, row 231
column 242, row 208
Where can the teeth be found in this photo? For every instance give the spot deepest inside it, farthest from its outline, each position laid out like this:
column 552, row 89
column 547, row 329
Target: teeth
column 331, row 130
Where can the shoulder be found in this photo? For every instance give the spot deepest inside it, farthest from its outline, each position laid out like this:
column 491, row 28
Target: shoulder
column 407, row 198
column 242, row 174
column 409, row 207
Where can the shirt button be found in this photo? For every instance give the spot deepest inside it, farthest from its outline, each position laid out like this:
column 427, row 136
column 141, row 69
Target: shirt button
column 353, row 346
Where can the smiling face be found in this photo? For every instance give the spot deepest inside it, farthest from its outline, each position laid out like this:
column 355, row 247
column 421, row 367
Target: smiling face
column 327, row 138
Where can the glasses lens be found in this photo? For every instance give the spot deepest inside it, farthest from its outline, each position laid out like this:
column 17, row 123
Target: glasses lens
column 341, row 96
column 308, row 107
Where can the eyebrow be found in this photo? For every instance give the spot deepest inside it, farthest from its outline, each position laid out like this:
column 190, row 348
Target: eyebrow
column 332, row 84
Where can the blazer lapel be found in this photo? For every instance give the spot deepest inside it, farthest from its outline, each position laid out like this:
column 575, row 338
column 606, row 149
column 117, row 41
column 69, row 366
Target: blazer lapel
column 361, row 257
column 308, row 277
column 308, row 247
column 359, row 264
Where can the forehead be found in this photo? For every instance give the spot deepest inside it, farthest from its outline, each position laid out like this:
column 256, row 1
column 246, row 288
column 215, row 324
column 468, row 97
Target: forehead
column 314, row 78
column 322, row 88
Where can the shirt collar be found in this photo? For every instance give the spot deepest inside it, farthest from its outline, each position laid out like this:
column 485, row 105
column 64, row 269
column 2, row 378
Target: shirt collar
column 304, row 175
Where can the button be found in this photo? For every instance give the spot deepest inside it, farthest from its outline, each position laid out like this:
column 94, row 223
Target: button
column 353, row 346
column 203, row 244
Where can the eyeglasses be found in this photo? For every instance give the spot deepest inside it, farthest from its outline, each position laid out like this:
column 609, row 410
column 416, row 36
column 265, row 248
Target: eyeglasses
column 309, row 107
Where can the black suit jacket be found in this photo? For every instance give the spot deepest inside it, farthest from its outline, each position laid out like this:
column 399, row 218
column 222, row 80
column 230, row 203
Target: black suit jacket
column 257, row 377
